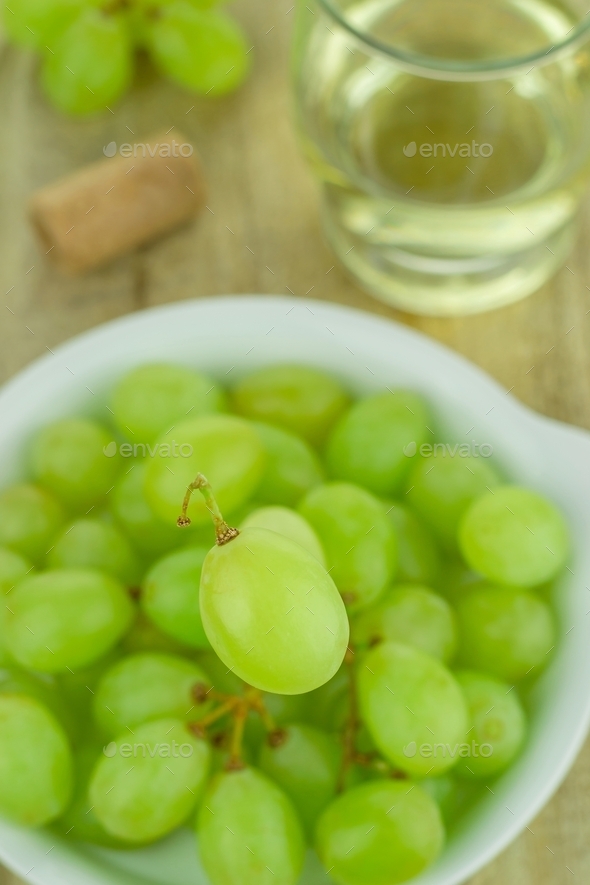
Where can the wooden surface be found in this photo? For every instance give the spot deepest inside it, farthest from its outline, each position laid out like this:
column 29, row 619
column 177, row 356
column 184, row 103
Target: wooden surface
column 261, row 234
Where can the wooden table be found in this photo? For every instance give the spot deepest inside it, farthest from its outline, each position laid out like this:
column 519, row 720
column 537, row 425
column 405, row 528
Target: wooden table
column 260, row 233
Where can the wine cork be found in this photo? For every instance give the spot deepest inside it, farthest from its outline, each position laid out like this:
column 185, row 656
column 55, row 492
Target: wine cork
column 108, row 208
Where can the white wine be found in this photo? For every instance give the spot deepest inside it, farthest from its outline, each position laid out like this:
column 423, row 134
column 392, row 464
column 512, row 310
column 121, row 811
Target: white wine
column 452, row 142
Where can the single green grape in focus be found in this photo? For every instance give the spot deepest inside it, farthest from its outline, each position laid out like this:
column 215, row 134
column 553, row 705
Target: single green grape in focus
column 303, row 400
column 30, row 518
column 292, row 467
column 413, row 708
column 95, row 544
column 170, row 596
column 66, row 618
column 270, row 610
column 441, row 488
column 505, row 632
column 380, row 833
column 148, row 783
column 248, row 832
column 147, row 686
column 413, row 615
column 305, row 763
column 90, row 64
column 150, row 535
column 226, row 449
column 374, row 443
column 202, row 50
column 514, row 536
column 73, row 459
column 418, row 555
column 499, row 725
column 35, row 762
column 288, row 523
column 358, row 540
column 151, row 399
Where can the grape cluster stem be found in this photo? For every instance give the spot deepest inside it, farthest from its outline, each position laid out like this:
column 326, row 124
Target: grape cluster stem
column 238, row 707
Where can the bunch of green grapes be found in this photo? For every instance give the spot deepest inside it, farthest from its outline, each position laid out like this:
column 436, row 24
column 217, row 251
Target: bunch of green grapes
column 264, row 613
column 88, row 46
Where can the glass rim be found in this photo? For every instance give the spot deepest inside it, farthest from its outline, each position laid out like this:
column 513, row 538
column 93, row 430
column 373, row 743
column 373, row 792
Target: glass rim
column 443, row 69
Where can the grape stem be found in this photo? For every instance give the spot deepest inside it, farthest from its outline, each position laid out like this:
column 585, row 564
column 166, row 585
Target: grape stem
column 223, row 532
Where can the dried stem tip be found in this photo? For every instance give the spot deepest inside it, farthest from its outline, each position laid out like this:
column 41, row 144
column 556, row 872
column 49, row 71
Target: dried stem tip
column 223, row 532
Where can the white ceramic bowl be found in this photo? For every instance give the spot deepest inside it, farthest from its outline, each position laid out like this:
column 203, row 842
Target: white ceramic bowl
column 231, row 336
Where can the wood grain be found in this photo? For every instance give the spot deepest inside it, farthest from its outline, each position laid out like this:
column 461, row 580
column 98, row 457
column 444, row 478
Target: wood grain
column 261, row 234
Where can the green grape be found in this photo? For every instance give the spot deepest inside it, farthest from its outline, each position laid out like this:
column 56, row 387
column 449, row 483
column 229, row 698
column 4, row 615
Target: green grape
column 272, row 613
column 150, row 535
column 79, row 821
column 288, row 523
column 148, row 783
column 66, row 619
column 504, row 631
column 147, row 686
column 170, row 596
column 499, row 725
column 201, row 50
column 514, row 536
column 37, row 23
column 94, row 544
column 13, row 568
column 305, row 763
column 419, row 559
column 90, row 64
column 413, row 708
column 380, row 833
column 35, row 762
column 413, row 615
column 292, row 467
column 226, row 449
column 71, row 458
column 296, row 398
column 374, row 443
column 150, row 400
column 441, row 489
column 248, row 832
column 285, row 708
column 29, row 520
column 358, row 540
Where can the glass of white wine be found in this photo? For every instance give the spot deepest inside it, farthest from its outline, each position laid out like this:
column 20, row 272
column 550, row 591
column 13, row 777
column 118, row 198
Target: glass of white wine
column 451, row 139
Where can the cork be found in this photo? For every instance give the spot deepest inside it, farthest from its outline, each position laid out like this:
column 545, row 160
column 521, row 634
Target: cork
column 108, row 208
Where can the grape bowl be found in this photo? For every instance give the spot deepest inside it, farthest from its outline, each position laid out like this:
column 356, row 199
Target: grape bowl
column 229, row 339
